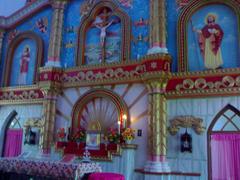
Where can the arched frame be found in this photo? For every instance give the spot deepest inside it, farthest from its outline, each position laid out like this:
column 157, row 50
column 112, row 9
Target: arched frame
column 184, row 18
column 13, row 46
column 211, row 131
column 99, row 93
column 82, row 31
column 4, row 128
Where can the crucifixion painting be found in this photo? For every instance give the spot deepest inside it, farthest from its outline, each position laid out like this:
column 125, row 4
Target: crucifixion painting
column 103, row 37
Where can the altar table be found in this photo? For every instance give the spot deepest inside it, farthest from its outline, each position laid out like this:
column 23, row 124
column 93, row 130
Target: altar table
column 40, row 168
column 87, row 168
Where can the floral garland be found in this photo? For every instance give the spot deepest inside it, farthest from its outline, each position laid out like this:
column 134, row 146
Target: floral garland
column 80, row 135
column 112, row 136
column 61, row 133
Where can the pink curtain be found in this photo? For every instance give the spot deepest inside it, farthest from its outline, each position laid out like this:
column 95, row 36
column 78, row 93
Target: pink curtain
column 225, row 153
column 13, row 143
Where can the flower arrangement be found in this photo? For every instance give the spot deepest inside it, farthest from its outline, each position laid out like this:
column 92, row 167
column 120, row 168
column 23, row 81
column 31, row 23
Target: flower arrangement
column 80, row 135
column 112, row 136
column 128, row 134
column 61, row 134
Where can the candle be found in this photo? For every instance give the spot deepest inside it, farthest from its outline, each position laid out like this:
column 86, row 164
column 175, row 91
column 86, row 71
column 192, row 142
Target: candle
column 124, row 117
column 119, row 126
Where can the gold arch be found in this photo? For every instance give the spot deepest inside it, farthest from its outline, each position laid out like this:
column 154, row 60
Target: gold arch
column 126, row 33
column 184, row 18
column 99, row 93
column 12, row 47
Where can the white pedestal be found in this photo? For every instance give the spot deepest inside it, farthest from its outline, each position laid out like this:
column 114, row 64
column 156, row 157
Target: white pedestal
column 155, row 166
column 53, row 64
column 156, row 50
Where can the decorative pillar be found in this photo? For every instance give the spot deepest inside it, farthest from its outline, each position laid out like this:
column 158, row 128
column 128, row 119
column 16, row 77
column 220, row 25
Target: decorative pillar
column 157, row 27
column 49, row 114
column 1, row 44
column 56, row 33
column 157, row 127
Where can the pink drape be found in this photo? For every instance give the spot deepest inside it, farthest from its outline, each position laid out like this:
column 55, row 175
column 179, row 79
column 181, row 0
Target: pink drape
column 225, row 153
column 13, row 143
column 106, row 176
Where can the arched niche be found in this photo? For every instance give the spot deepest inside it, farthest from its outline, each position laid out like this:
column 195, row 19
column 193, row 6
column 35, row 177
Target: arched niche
column 226, row 121
column 100, row 105
column 90, row 21
column 22, row 44
column 4, row 128
column 186, row 24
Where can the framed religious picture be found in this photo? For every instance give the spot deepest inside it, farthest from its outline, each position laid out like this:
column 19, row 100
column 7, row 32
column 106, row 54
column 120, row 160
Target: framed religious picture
column 93, row 140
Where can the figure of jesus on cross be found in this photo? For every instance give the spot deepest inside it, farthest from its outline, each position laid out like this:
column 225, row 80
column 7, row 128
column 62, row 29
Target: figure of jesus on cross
column 102, row 22
column 103, row 32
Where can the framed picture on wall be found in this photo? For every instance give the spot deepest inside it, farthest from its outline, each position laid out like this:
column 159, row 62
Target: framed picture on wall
column 93, row 140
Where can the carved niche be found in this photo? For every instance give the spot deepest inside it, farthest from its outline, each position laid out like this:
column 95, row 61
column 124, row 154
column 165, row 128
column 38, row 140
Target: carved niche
column 104, row 35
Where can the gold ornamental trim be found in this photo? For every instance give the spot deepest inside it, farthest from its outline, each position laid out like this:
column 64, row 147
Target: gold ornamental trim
column 23, row 96
column 186, row 122
column 203, row 93
column 201, row 83
column 159, row 56
column 108, row 73
column 19, row 88
column 21, row 102
column 206, row 73
column 20, row 95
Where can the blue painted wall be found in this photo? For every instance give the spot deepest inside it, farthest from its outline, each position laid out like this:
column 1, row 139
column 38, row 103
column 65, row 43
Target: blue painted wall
column 136, row 10
column 172, row 16
column 30, row 25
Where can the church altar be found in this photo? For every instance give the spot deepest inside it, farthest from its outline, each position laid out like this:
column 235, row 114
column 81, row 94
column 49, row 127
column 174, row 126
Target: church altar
column 104, row 152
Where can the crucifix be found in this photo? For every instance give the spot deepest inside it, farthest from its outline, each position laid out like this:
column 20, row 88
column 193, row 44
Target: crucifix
column 102, row 26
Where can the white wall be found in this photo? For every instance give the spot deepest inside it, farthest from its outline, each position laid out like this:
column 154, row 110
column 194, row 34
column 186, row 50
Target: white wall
column 205, row 108
column 24, row 112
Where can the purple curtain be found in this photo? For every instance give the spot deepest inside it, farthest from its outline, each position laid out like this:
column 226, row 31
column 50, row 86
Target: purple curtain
column 13, row 143
column 225, row 153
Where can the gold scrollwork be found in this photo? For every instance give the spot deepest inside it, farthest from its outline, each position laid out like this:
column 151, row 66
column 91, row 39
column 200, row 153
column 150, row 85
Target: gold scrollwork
column 23, row 96
column 186, row 122
column 201, row 83
column 108, row 74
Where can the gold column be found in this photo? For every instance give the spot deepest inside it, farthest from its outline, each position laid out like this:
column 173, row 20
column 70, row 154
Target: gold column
column 158, row 30
column 49, row 115
column 54, row 48
column 157, row 131
column 157, row 119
